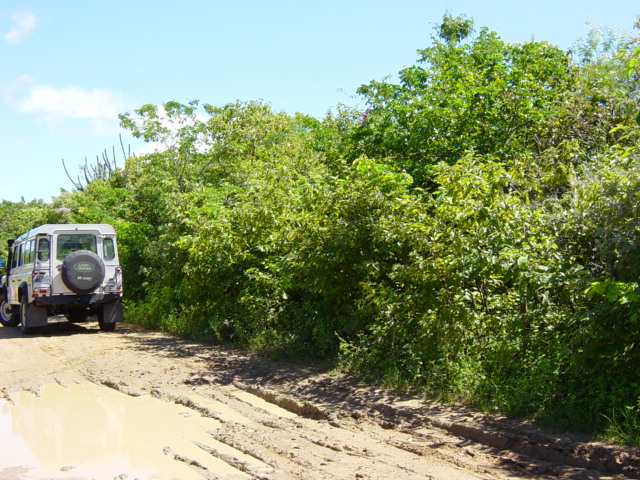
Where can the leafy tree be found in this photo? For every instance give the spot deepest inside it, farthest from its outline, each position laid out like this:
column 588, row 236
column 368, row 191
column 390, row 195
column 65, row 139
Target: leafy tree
column 18, row 217
column 180, row 135
column 454, row 29
column 485, row 95
column 500, row 100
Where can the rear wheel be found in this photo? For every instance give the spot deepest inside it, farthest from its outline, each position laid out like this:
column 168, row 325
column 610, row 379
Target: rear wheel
column 106, row 327
column 8, row 317
column 23, row 317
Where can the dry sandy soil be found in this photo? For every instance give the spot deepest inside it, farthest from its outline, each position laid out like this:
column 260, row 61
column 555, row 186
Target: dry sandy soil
column 77, row 403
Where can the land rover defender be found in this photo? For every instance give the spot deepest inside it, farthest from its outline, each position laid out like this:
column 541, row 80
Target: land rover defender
column 62, row 269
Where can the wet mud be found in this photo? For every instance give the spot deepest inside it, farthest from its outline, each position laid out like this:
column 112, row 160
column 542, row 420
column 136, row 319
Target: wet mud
column 77, row 403
column 92, row 431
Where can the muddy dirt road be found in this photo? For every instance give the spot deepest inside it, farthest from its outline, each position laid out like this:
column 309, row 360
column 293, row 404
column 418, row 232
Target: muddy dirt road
column 77, row 403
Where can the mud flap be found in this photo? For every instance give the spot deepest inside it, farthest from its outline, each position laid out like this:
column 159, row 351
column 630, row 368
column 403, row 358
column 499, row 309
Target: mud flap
column 112, row 312
column 36, row 316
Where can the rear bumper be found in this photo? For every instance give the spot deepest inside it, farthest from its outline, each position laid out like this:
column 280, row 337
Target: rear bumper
column 85, row 299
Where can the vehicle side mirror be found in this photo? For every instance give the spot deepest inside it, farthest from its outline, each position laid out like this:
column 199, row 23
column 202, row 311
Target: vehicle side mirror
column 3, row 262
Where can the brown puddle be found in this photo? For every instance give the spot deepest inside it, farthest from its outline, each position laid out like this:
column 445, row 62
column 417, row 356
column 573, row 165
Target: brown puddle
column 87, row 431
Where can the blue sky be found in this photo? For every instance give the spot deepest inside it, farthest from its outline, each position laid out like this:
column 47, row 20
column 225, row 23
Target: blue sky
column 67, row 68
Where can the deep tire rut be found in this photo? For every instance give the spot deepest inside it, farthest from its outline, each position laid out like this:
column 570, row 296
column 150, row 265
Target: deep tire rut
column 269, row 420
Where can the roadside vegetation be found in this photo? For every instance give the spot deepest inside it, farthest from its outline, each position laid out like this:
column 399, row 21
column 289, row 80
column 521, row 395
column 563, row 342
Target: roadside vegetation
column 472, row 234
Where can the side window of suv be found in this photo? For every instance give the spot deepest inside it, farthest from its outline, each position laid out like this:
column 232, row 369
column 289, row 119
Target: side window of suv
column 16, row 257
column 109, row 249
column 28, row 254
column 23, row 255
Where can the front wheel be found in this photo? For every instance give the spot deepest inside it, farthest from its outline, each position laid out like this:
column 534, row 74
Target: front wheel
column 23, row 318
column 77, row 316
column 7, row 316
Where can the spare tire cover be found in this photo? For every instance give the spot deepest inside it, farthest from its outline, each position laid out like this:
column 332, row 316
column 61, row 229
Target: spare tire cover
column 82, row 271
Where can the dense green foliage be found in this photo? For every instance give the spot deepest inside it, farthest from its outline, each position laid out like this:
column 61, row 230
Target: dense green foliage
column 473, row 235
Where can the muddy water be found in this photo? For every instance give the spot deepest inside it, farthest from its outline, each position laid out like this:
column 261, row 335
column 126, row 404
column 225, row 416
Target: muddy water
column 87, row 431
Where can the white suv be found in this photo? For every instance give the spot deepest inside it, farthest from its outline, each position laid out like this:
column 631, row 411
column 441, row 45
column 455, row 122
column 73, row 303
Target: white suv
column 70, row 269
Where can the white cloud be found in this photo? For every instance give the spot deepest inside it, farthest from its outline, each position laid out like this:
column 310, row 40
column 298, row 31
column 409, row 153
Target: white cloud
column 23, row 23
column 72, row 102
column 97, row 106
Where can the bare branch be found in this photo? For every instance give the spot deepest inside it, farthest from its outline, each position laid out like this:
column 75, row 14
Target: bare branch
column 122, row 146
column 77, row 186
column 101, row 170
column 86, row 168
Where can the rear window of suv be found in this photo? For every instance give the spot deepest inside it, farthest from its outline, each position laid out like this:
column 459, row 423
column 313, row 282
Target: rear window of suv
column 68, row 243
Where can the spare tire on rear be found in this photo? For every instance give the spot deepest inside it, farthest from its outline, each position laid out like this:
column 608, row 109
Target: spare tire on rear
column 82, row 271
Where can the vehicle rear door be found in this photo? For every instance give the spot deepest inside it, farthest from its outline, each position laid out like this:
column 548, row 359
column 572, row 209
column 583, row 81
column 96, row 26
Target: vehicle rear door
column 64, row 243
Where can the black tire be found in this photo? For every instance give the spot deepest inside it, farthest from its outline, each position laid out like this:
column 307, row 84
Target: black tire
column 7, row 316
column 76, row 316
column 82, row 271
column 106, row 327
column 23, row 321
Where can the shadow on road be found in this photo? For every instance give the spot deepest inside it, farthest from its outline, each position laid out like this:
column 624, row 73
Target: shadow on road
column 218, row 364
column 57, row 327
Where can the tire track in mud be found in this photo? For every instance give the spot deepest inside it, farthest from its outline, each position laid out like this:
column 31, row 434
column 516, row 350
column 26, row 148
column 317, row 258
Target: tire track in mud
column 254, row 431
column 256, row 436
column 309, row 448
